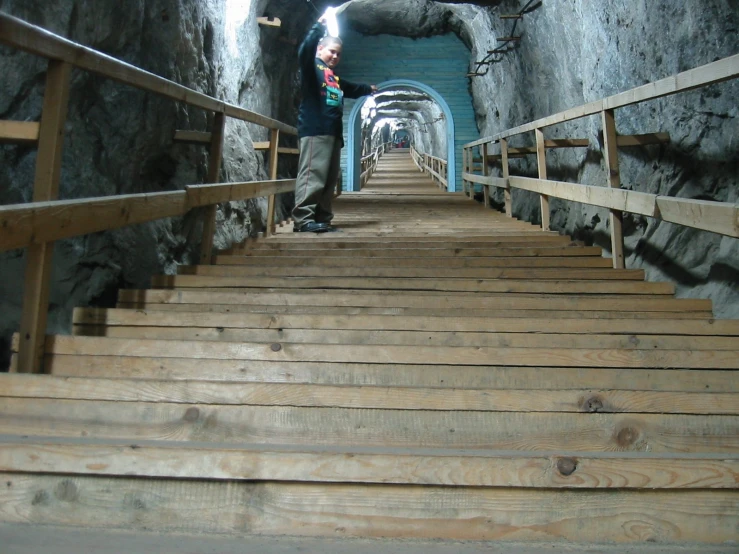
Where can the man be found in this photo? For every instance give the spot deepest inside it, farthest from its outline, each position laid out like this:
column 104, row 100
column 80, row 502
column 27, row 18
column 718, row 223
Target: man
column 320, row 129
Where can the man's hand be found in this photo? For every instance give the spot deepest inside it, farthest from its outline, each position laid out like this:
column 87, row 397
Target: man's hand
column 374, row 89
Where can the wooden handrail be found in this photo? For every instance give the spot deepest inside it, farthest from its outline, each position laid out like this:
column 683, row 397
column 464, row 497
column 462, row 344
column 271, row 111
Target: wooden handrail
column 434, row 167
column 37, row 225
column 717, row 217
column 30, row 38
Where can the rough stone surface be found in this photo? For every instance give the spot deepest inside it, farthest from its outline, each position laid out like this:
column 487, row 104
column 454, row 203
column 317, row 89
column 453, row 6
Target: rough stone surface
column 118, row 140
column 573, row 52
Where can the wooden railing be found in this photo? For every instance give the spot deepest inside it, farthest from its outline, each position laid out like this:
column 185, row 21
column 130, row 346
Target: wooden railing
column 37, row 225
column 369, row 163
column 434, row 167
column 718, row 217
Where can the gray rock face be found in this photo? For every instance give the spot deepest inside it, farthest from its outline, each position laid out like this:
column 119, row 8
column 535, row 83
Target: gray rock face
column 573, row 52
column 118, row 140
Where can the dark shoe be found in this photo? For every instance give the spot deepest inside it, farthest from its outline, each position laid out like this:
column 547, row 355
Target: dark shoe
column 332, row 229
column 311, row 227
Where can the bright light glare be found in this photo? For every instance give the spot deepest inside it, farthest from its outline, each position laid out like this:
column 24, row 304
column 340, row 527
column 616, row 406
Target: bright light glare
column 237, row 11
column 332, row 23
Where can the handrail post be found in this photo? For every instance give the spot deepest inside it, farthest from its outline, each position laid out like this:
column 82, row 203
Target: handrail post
column 214, row 172
column 465, row 154
column 506, row 176
column 541, row 157
column 274, row 141
column 614, row 181
column 45, row 188
column 485, row 173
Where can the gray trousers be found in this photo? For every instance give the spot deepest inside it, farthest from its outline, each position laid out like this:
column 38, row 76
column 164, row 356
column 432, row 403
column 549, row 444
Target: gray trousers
column 318, row 172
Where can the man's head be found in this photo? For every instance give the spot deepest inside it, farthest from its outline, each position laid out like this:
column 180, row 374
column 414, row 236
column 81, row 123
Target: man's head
column 329, row 51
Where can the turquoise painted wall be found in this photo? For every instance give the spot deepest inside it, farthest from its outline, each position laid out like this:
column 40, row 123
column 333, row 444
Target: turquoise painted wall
column 439, row 62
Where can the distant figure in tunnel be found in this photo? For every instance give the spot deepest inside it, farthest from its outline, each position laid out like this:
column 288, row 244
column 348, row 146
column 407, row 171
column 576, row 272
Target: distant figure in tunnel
column 320, row 129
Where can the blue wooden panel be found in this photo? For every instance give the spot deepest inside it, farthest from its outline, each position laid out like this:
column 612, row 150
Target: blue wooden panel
column 439, row 62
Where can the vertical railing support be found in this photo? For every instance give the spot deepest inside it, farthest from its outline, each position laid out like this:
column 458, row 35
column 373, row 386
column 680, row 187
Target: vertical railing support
column 506, row 175
column 274, row 141
column 45, row 188
column 614, row 181
column 485, row 173
column 214, row 172
column 465, row 169
column 541, row 157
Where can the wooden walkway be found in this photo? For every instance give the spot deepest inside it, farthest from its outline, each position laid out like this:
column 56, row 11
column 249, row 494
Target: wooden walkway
column 435, row 370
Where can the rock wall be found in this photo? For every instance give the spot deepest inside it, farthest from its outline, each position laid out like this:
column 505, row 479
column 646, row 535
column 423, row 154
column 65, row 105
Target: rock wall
column 118, row 140
column 576, row 51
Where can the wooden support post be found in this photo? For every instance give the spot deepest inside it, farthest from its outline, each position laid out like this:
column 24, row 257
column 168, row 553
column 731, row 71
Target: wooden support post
column 541, row 156
column 274, row 142
column 214, row 172
column 485, row 172
column 45, row 188
column 466, row 154
column 506, row 175
column 610, row 145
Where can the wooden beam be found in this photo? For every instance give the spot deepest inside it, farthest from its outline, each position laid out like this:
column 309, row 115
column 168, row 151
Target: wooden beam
column 266, row 21
column 506, row 175
column 27, row 224
column 640, row 203
column 486, row 173
column 215, row 157
column 614, row 181
column 274, row 142
column 283, row 508
column 30, row 38
column 45, row 188
column 307, row 395
column 12, row 132
column 193, row 137
column 541, row 156
column 205, row 195
column 717, row 217
column 417, row 466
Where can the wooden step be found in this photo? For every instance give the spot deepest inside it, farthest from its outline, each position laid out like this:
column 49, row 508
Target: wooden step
column 360, row 510
column 423, row 284
column 374, row 397
column 377, row 465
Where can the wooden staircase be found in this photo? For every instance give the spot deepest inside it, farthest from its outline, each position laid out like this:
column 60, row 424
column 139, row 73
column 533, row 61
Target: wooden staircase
column 435, row 370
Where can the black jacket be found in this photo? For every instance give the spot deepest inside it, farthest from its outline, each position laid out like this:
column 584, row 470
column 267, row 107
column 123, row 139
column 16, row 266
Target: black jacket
column 323, row 91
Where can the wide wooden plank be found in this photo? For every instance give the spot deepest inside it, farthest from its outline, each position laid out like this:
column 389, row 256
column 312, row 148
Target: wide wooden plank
column 422, row 261
column 588, row 314
column 384, row 398
column 14, row 132
column 116, row 317
column 717, row 217
column 409, row 375
column 417, row 299
column 418, row 466
column 469, row 430
column 369, row 283
column 572, row 274
column 413, row 338
column 563, row 357
column 441, row 252
column 353, row 510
